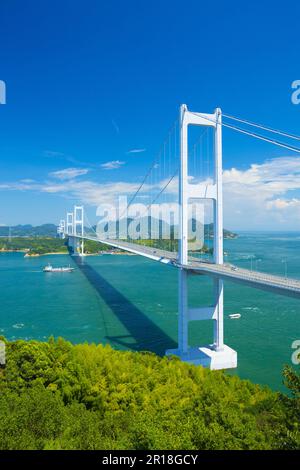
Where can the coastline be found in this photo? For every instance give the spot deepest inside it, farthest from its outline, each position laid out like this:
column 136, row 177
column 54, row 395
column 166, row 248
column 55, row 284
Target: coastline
column 35, row 255
column 13, row 251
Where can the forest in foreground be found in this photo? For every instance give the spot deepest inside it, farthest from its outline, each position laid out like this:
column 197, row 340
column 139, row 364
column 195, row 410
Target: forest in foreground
column 55, row 395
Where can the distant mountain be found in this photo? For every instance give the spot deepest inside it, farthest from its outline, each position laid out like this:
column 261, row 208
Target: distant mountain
column 50, row 230
column 209, row 232
column 208, row 229
column 45, row 230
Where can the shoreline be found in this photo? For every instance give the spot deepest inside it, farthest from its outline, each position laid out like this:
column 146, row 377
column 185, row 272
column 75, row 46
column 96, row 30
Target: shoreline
column 35, row 255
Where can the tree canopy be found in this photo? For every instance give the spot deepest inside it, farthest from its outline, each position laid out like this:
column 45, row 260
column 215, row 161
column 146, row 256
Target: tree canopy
column 55, row 395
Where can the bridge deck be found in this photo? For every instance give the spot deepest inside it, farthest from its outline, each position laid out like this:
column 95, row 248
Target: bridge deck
column 263, row 281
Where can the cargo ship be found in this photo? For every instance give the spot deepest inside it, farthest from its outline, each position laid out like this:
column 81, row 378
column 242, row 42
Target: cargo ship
column 49, row 269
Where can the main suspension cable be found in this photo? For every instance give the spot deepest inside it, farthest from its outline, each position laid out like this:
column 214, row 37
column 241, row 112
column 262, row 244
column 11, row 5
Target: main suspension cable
column 260, row 126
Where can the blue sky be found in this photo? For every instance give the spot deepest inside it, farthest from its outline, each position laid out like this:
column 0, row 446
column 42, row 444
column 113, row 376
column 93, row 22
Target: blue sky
column 87, row 82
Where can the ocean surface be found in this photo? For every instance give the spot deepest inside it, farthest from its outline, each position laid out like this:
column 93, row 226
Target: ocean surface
column 131, row 303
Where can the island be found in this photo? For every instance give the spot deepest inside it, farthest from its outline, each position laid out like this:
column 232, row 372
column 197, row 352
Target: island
column 38, row 246
column 42, row 240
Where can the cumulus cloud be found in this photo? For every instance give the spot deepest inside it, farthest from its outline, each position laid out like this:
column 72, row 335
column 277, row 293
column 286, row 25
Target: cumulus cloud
column 68, row 173
column 263, row 196
column 92, row 193
column 283, row 204
column 113, row 165
column 88, row 192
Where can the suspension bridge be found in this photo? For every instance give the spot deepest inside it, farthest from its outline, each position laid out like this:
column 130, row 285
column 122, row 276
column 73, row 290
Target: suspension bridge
column 184, row 181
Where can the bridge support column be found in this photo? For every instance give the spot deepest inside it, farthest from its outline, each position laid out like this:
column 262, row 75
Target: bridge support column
column 70, row 230
column 182, row 310
column 76, row 245
column 216, row 355
column 78, row 230
column 71, row 243
column 219, row 320
column 75, row 230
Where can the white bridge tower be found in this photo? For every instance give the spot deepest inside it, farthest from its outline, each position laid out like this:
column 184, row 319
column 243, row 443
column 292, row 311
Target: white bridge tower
column 215, row 355
column 75, row 230
column 61, row 229
column 70, row 223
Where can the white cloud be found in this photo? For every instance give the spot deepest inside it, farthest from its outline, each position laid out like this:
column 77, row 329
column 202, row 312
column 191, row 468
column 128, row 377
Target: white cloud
column 283, row 204
column 263, row 196
column 69, row 173
column 137, row 150
column 27, row 180
column 115, row 125
column 113, row 165
column 92, row 193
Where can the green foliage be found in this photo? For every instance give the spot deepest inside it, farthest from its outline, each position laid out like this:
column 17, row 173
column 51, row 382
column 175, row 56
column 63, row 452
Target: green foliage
column 34, row 245
column 292, row 380
column 54, row 395
column 169, row 245
column 45, row 230
column 43, row 245
column 94, row 247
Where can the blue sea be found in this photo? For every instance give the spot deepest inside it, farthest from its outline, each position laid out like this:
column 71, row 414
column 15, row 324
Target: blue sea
column 131, row 303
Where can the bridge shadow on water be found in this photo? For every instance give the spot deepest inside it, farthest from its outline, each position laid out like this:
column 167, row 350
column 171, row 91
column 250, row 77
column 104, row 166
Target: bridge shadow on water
column 144, row 334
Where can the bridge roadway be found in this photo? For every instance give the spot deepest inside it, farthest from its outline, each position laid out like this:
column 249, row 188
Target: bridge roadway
column 263, row 281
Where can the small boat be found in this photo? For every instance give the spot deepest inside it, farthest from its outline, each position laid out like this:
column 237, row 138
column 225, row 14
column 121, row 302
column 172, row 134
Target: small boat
column 234, row 315
column 49, row 269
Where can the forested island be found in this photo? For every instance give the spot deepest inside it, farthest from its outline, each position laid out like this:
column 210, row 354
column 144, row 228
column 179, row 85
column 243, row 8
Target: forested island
column 172, row 245
column 35, row 246
column 42, row 245
column 42, row 240
column 28, row 230
column 55, row 395
column 50, row 230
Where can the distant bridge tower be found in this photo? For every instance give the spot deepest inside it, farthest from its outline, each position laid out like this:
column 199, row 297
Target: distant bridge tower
column 79, row 230
column 70, row 223
column 70, row 229
column 75, row 230
column 61, row 229
column 216, row 355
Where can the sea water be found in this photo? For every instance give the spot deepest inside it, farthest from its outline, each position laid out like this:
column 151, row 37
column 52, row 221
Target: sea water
column 131, row 303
